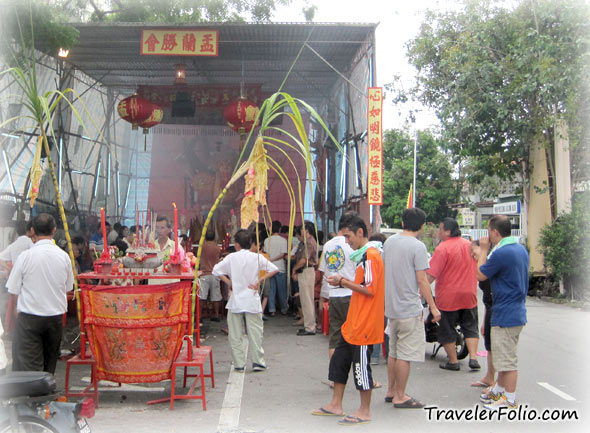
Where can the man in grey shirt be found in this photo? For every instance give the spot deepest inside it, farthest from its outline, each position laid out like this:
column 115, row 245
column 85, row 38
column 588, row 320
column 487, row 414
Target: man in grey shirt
column 406, row 262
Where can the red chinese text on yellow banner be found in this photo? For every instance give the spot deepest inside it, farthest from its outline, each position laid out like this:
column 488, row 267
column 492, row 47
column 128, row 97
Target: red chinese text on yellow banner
column 172, row 42
column 375, row 146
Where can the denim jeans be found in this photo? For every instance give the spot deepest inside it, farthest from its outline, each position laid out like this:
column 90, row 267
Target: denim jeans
column 278, row 285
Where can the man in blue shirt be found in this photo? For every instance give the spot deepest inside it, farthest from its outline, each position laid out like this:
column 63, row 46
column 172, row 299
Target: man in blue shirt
column 507, row 268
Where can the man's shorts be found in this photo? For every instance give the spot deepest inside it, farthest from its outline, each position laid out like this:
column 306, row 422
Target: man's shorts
column 338, row 310
column 407, row 340
column 504, row 347
column 467, row 318
column 209, row 284
column 344, row 356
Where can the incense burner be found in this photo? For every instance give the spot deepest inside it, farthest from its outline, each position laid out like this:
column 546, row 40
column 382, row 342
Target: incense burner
column 146, row 258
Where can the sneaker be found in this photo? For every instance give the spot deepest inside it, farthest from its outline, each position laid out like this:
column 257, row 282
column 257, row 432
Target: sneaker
column 258, row 367
column 490, row 397
column 305, row 332
column 501, row 402
column 474, row 364
column 239, row 369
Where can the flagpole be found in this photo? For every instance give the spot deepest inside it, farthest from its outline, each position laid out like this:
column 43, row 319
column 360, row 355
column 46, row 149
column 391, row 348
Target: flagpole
column 415, row 165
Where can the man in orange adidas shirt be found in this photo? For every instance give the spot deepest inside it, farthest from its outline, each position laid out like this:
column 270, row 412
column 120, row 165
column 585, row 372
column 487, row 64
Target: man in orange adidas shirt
column 364, row 323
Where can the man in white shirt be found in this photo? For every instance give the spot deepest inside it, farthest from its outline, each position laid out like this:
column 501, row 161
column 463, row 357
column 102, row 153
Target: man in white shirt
column 8, row 258
column 336, row 261
column 241, row 272
column 9, row 255
column 166, row 247
column 276, row 247
column 40, row 278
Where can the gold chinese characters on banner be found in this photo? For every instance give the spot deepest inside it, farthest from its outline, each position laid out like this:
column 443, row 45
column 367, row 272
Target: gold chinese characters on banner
column 375, row 146
column 173, row 42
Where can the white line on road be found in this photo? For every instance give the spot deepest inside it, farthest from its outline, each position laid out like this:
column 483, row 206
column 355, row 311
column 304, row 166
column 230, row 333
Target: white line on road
column 556, row 391
column 229, row 416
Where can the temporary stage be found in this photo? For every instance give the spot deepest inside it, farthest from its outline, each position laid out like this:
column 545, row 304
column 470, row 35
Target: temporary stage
column 102, row 163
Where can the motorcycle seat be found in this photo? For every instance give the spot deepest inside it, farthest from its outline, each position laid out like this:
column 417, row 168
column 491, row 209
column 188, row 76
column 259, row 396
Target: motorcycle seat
column 27, row 383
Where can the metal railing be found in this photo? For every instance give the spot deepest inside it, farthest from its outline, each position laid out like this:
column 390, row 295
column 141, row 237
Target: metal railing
column 479, row 233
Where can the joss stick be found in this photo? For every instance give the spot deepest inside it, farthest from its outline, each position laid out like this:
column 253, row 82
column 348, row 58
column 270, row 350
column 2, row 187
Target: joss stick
column 136, row 225
column 175, row 229
column 104, row 229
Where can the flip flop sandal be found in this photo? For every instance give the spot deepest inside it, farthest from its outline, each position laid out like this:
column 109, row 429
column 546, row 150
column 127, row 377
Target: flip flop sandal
column 480, row 384
column 325, row 412
column 353, row 420
column 410, row 403
column 388, row 399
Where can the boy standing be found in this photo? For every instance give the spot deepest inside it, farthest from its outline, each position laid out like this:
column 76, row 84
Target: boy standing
column 406, row 263
column 363, row 326
column 240, row 271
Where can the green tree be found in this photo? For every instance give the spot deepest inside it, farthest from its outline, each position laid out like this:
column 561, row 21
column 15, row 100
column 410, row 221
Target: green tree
column 171, row 11
column 48, row 31
column 435, row 186
column 499, row 79
column 565, row 244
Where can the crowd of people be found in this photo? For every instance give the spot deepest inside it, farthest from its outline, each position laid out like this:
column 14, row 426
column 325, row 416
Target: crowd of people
column 376, row 290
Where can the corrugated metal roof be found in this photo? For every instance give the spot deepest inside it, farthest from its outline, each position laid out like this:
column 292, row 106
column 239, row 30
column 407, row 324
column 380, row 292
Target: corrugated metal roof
column 110, row 53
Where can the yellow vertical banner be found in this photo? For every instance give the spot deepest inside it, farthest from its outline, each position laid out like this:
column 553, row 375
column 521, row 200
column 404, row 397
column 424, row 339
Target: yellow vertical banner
column 375, row 146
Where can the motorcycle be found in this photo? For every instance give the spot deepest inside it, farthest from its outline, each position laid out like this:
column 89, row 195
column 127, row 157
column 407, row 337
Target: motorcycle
column 29, row 403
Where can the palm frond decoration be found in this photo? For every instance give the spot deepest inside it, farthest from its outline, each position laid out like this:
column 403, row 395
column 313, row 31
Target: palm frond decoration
column 258, row 164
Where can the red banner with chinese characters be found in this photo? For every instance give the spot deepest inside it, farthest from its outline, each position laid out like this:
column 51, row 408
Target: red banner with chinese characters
column 174, row 42
column 375, row 146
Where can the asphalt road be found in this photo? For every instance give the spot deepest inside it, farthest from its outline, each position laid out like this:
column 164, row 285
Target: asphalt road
column 553, row 357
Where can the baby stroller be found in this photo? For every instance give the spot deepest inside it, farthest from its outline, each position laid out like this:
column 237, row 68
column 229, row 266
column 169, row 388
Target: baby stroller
column 431, row 331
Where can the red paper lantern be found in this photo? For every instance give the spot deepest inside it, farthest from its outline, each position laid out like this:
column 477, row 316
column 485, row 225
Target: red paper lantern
column 135, row 110
column 154, row 119
column 240, row 115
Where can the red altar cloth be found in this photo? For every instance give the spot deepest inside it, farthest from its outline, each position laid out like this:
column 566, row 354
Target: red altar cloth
column 136, row 332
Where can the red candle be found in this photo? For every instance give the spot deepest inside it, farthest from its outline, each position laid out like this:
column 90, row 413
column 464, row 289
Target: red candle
column 175, row 229
column 104, row 229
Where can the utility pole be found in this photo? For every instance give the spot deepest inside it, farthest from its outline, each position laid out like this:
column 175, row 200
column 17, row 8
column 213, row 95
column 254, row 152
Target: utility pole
column 415, row 167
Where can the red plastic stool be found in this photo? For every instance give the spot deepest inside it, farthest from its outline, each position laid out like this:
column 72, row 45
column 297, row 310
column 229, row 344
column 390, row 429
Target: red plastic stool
column 86, row 392
column 199, row 357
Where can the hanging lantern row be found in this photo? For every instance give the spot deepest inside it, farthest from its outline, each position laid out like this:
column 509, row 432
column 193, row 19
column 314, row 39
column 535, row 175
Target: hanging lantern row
column 140, row 112
column 240, row 115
